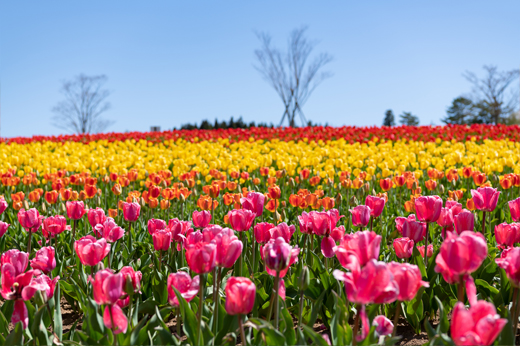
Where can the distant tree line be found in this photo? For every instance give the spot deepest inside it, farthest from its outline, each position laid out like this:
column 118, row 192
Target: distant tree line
column 231, row 124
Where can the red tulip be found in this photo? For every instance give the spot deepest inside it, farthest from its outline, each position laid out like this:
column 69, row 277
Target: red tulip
column 240, row 296
column 383, row 325
column 3, row 228
column 305, row 221
column 30, row 219
column 514, row 208
column 428, row 208
column 187, row 287
column 161, row 240
column 460, row 255
column 254, row 202
column 364, row 245
column 278, row 256
column 229, row 248
column 414, row 230
column 155, row 225
column 109, row 230
column 421, row 250
column 403, row 247
column 96, row 216
column 91, row 251
column 201, row 257
column 480, row 325
column 371, row 284
column 241, row 219
column 360, row 215
column 485, row 198
column 445, row 219
column 44, row 260
column 55, row 224
column 135, row 278
column 283, row 230
column 376, row 204
column 408, row 278
column 201, row 218
column 262, row 232
column 464, row 221
column 18, row 259
column 131, row 211
column 75, row 209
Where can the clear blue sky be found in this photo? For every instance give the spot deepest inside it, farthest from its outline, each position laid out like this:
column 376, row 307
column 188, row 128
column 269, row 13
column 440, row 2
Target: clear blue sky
column 171, row 62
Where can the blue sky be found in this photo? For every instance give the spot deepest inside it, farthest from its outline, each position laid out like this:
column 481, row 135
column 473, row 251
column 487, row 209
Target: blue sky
column 171, row 62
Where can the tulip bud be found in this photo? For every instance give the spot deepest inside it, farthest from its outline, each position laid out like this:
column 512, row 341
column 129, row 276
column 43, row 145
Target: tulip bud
column 277, row 215
column 142, row 201
column 304, row 279
column 26, row 205
column 282, row 214
column 40, row 297
column 374, row 192
column 353, row 201
column 129, row 287
column 291, row 182
column 441, row 188
column 182, row 198
column 63, row 209
column 44, row 208
column 362, row 189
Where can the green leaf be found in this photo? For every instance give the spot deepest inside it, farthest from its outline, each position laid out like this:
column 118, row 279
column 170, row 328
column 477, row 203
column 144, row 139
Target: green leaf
column 15, row 338
column 190, row 324
column 316, row 338
column 290, row 335
column 507, row 337
column 444, row 324
column 316, row 307
column 58, row 322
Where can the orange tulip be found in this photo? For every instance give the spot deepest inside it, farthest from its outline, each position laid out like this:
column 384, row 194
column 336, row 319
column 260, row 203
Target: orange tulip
column 357, row 183
column 274, row 192
column 256, row 181
column 75, row 195
column 82, row 195
column 34, row 196
column 409, row 206
column 231, row 185
column 314, row 180
column 467, row 172
column 264, row 171
column 479, row 178
column 385, row 184
column 272, row 205
column 453, row 175
column 457, row 194
column 271, row 181
column 90, row 190
column 470, row 204
column 153, row 203
column 346, row 183
column 112, row 213
column 327, row 203
column 154, row 191
column 399, row 180
column 506, row 183
column 214, row 190
column 430, row 184
column 165, row 204
column 17, row 205
column 295, row 200
column 116, row 189
column 305, row 173
column 52, row 196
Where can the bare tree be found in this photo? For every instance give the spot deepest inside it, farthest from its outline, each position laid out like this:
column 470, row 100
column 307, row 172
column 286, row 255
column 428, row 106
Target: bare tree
column 85, row 101
column 290, row 73
column 492, row 94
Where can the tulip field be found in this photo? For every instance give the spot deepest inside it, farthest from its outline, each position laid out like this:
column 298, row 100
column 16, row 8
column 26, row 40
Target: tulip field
column 265, row 236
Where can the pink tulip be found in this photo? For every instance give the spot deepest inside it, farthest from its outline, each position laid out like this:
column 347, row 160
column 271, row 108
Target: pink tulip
column 455, row 207
column 254, row 201
column 241, row 219
column 107, row 287
column 109, row 230
column 3, row 228
column 18, row 259
column 507, row 234
column 429, row 253
column 229, row 248
column 324, row 222
column 55, row 224
column 75, row 209
column 403, row 247
column 96, row 216
column 360, row 215
column 262, row 232
column 485, row 198
column 327, row 246
column 480, row 325
column 408, row 278
column 510, row 262
column 201, row 257
column 337, row 233
column 155, row 224
column 414, row 230
column 161, row 240
column 399, row 221
column 376, row 204
column 3, row 205
column 283, row 230
column 428, row 208
column 30, row 219
column 187, row 287
column 371, row 284
column 178, row 229
column 464, row 221
column 364, row 245
column 201, row 219
column 209, row 233
column 135, row 277
column 460, row 255
column 240, row 296
column 41, row 283
column 514, row 208
column 305, row 221
column 195, row 238
column 383, row 325
column 91, row 251
column 445, row 219
column 131, row 211
column 278, row 256
column 44, row 260
column 114, row 313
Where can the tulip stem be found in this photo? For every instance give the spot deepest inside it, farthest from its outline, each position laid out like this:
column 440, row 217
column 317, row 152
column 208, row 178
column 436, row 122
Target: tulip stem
column 216, row 297
column 371, row 222
column 515, row 321
column 356, row 327
column 396, row 317
column 460, row 293
column 276, row 298
column 484, row 223
column 201, row 301
column 254, row 258
column 426, row 246
column 301, row 309
column 160, row 260
column 178, row 322
column 242, row 332
column 29, row 243
column 241, row 254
